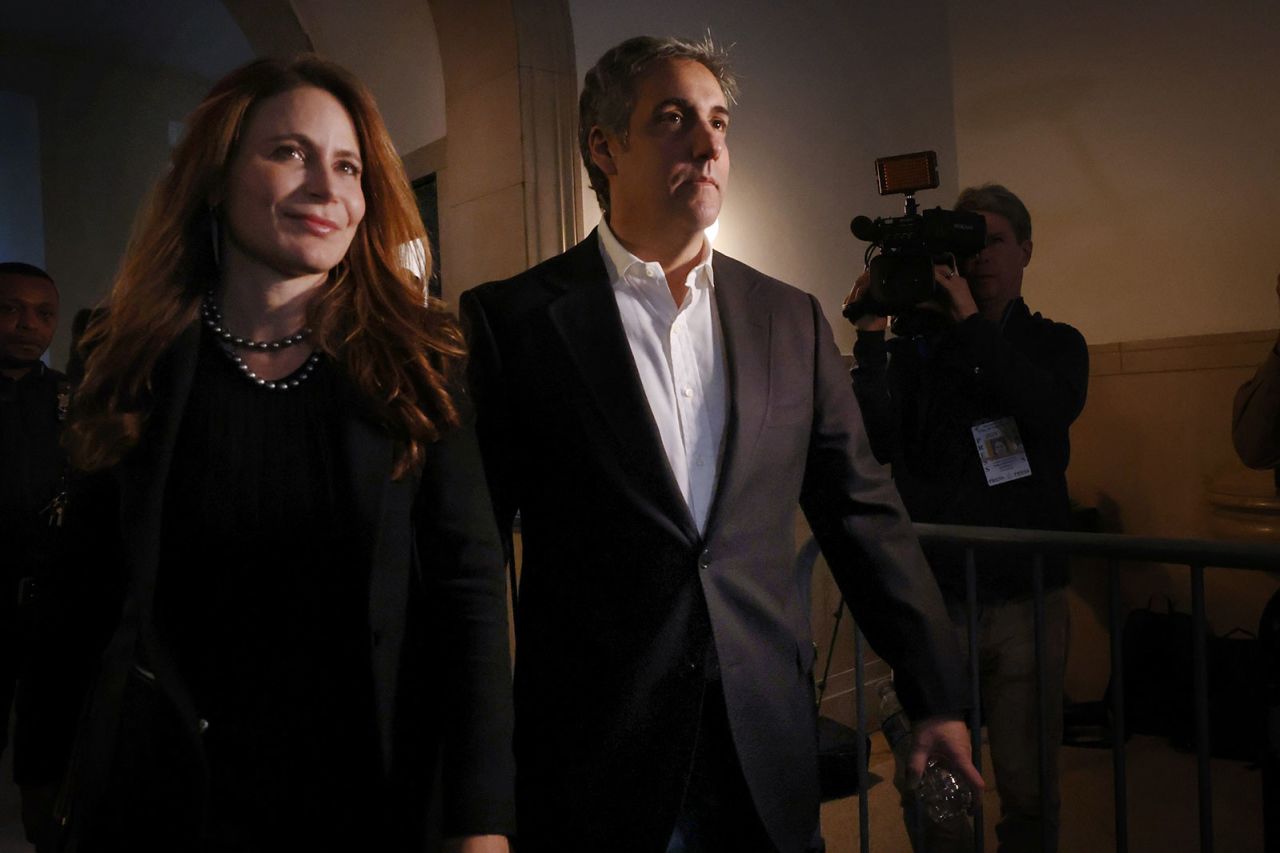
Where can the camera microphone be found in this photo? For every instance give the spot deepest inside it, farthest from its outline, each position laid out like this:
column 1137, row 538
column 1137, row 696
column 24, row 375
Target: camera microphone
column 865, row 229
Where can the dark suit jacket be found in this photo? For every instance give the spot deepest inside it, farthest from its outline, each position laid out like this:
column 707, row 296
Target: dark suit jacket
column 623, row 602
column 437, row 617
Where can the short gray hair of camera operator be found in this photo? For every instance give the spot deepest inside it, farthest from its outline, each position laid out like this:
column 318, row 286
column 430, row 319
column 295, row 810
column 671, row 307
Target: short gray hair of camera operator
column 609, row 90
column 995, row 198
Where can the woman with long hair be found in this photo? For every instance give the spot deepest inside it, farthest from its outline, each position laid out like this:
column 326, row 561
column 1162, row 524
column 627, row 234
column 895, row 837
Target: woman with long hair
column 312, row 640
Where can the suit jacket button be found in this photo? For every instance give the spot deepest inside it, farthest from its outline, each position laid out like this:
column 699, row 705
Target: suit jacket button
column 689, row 668
column 704, row 560
column 202, row 725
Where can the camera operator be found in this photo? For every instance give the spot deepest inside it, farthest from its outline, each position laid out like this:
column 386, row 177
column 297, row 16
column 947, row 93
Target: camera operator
column 971, row 404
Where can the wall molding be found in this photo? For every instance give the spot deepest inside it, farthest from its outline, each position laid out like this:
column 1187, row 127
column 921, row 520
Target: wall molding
column 1168, row 355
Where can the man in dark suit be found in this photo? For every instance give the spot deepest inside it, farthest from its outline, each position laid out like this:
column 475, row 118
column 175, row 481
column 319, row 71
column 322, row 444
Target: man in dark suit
column 33, row 405
column 655, row 412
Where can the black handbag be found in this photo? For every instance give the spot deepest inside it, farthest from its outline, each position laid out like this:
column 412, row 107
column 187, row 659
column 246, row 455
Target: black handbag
column 1157, row 672
column 1235, row 696
column 1159, row 683
column 152, row 793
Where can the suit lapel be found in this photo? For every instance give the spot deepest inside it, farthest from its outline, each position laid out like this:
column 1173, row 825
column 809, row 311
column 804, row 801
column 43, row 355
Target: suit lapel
column 746, row 333
column 588, row 324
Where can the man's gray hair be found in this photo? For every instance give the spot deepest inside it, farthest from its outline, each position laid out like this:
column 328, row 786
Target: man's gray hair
column 996, row 198
column 609, row 91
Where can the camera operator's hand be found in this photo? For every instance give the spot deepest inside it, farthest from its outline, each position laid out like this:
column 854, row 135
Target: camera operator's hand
column 962, row 306
column 867, row 322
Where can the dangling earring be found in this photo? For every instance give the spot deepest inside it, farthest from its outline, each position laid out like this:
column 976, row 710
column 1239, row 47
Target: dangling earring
column 213, row 233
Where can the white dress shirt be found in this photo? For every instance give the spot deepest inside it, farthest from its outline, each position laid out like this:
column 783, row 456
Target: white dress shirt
column 679, row 353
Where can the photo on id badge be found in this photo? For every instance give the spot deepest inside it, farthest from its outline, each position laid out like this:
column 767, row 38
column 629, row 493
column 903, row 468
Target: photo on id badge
column 1000, row 450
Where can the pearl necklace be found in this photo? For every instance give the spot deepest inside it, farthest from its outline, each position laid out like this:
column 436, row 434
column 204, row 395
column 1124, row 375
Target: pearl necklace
column 213, row 321
column 228, row 342
column 293, row 380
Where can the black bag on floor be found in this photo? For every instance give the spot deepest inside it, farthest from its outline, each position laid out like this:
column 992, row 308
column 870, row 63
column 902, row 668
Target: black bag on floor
column 1159, row 683
column 1235, row 696
column 1157, row 672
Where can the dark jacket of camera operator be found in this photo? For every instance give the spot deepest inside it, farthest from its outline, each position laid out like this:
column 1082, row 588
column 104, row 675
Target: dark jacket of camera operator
column 933, row 400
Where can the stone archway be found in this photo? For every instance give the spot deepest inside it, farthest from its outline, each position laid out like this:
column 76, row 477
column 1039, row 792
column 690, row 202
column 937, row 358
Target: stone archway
column 509, row 192
column 507, row 164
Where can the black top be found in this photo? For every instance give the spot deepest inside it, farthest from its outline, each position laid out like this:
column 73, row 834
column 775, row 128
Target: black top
column 921, row 397
column 265, row 606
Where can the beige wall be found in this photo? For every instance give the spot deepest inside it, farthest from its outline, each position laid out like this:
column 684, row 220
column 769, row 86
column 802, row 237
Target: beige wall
column 1138, row 134
column 1143, row 138
column 503, row 177
column 1153, row 442
column 481, row 193
column 1156, row 429
column 392, row 47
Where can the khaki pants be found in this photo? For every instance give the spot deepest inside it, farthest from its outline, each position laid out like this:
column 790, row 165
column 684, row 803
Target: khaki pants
column 1007, row 673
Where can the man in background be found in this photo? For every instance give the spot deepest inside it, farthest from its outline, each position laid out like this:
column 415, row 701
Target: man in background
column 1255, row 431
column 33, row 404
column 971, row 405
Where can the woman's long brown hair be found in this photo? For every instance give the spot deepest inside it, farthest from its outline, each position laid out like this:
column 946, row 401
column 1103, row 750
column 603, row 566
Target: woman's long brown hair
column 370, row 317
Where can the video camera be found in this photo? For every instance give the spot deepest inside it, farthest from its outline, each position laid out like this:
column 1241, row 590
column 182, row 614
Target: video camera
column 912, row 244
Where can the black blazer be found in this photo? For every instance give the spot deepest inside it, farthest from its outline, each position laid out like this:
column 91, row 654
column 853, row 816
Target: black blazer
column 438, row 622
column 623, row 604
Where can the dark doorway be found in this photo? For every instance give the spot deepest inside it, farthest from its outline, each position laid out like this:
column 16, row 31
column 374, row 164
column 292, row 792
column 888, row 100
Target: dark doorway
column 424, row 190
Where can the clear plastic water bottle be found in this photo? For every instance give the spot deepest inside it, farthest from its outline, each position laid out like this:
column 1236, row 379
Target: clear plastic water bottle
column 944, row 797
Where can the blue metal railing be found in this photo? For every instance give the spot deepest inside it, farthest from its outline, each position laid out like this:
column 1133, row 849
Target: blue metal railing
column 1195, row 554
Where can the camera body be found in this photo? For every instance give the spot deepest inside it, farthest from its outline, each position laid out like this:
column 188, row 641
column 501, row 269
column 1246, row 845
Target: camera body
column 906, row 248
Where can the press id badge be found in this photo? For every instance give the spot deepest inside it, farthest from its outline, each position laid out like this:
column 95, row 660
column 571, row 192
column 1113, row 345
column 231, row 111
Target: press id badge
column 1001, row 451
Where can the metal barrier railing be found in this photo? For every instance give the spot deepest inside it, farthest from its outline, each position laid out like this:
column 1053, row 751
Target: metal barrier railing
column 1195, row 554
